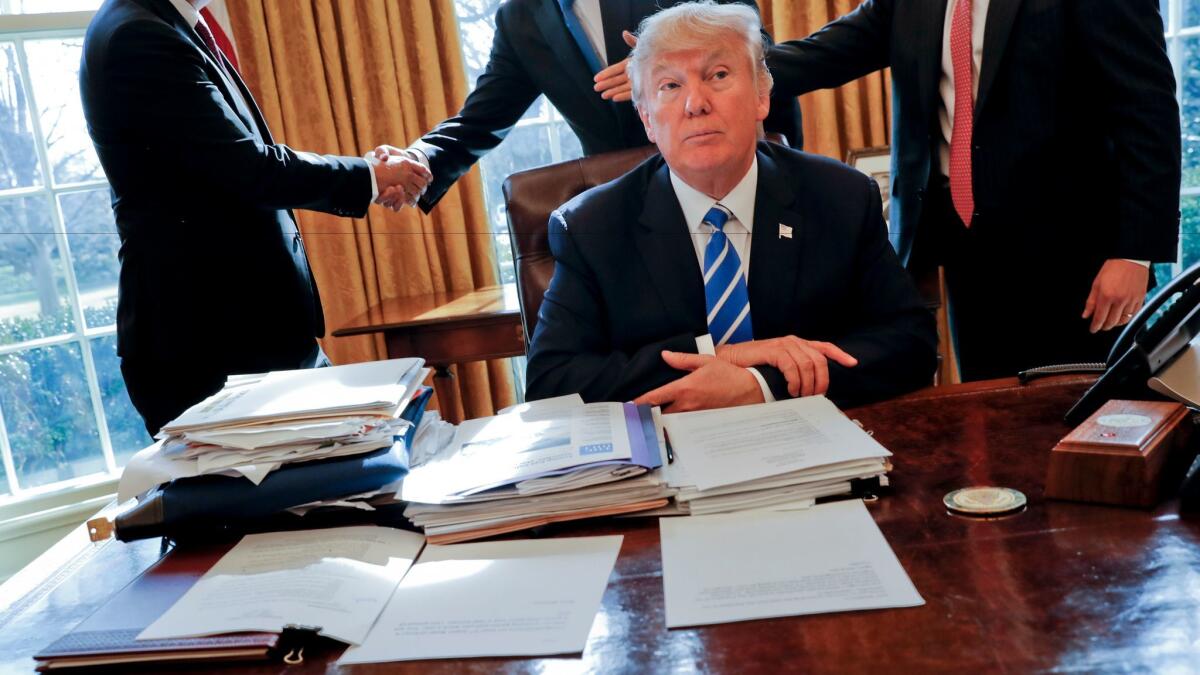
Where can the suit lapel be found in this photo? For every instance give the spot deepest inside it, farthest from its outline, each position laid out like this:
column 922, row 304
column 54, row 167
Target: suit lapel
column 616, row 17
column 773, row 258
column 929, row 32
column 550, row 23
column 1000, row 18
column 665, row 244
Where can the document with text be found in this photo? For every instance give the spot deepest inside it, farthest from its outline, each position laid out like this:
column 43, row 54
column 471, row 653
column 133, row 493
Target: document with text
column 757, row 565
column 735, row 445
column 338, row 579
column 500, row 598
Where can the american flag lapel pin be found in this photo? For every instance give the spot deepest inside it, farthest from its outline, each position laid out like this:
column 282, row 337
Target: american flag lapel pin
column 785, row 231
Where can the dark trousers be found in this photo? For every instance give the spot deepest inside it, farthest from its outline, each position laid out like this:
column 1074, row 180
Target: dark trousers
column 1013, row 302
column 161, row 392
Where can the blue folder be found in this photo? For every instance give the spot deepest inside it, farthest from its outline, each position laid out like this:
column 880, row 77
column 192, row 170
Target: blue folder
column 208, row 505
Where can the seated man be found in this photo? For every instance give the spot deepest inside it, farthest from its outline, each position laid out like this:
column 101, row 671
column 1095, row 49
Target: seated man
column 778, row 258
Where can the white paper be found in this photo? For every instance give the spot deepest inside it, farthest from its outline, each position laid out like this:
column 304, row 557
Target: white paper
column 338, row 579
column 502, row 598
column 734, row 445
column 286, row 394
column 755, row 565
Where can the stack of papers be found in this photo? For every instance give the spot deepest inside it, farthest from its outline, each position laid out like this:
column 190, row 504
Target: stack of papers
column 781, row 455
column 257, row 424
column 538, row 463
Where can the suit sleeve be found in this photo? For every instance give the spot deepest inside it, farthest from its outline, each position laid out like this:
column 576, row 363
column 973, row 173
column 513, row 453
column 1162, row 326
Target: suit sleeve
column 845, row 49
column 894, row 336
column 1123, row 42
column 501, row 96
column 205, row 145
column 572, row 350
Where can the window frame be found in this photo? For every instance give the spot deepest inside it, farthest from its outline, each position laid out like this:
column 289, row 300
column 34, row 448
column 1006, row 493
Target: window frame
column 21, row 501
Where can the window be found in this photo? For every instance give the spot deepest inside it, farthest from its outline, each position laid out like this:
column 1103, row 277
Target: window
column 1182, row 19
column 65, row 418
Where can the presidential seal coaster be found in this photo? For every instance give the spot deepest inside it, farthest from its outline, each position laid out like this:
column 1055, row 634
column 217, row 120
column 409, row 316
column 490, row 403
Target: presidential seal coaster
column 984, row 501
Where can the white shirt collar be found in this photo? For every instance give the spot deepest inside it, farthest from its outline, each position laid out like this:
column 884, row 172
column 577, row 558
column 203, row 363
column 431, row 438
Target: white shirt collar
column 739, row 201
column 190, row 14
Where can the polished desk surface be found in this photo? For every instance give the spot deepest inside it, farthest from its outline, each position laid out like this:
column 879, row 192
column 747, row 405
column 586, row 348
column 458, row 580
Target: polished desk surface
column 432, row 309
column 1059, row 586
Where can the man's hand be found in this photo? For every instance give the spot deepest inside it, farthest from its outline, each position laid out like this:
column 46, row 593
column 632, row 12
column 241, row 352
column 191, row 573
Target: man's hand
column 400, row 177
column 712, row 383
column 1117, row 294
column 804, row 363
column 613, row 81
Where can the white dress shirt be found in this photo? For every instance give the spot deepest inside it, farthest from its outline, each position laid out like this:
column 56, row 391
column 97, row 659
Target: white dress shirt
column 588, row 12
column 740, row 203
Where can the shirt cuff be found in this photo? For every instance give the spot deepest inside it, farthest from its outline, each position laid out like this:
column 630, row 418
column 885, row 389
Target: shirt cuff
column 1143, row 263
column 704, row 345
column 418, row 156
column 768, row 397
column 371, row 163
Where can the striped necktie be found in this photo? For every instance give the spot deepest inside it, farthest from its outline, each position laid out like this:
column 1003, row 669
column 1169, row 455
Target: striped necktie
column 575, row 27
column 725, row 294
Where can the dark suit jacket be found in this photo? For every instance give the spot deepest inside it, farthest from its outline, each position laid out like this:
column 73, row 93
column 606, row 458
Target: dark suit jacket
column 213, row 270
column 533, row 53
column 627, row 284
column 1076, row 136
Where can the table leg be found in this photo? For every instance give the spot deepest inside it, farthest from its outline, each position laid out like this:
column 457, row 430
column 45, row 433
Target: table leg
column 449, row 401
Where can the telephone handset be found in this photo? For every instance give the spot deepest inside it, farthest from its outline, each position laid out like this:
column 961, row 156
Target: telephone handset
column 1147, row 344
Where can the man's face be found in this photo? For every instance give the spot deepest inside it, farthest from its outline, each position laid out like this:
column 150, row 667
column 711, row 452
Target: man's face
column 702, row 108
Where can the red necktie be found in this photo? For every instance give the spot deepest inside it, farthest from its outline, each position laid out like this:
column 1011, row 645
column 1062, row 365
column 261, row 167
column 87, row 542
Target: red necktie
column 207, row 36
column 961, row 191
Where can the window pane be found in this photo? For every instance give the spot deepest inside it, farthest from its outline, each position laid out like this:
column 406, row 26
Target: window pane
column 1189, row 231
column 1163, row 6
column 92, row 237
column 1191, row 13
column 1189, row 89
column 18, row 157
column 46, row 6
column 125, row 428
column 54, row 70
column 525, row 148
column 48, row 413
column 33, row 290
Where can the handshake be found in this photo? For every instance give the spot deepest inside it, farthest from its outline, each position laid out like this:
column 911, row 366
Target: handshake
column 400, row 176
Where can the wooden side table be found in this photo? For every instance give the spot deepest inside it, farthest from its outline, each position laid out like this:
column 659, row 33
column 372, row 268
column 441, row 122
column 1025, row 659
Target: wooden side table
column 447, row 328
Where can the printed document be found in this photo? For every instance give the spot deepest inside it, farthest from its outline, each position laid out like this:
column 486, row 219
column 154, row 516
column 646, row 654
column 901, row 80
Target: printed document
column 338, row 579
column 756, row 565
column 734, row 445
column 500, row 598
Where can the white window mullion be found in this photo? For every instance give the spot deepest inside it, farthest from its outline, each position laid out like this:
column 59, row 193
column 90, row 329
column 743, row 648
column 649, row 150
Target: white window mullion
column 10, row 467
column 64, row 255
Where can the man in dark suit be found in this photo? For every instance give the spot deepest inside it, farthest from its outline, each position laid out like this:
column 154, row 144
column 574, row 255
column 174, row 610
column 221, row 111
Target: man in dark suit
column 553, row 47
column 651, row 298
column 1035, row 154
column 214, row 279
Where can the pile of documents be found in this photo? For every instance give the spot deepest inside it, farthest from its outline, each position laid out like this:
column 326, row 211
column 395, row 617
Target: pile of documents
column 542, row 462
column 781, row 455
column 258, row 423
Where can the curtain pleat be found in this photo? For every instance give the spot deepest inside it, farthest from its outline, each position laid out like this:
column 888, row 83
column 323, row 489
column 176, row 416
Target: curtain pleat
column 342, row 76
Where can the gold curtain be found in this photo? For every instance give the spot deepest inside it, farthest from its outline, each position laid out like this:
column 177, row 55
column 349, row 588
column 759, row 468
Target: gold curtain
column 342, row 76
column 856, row 115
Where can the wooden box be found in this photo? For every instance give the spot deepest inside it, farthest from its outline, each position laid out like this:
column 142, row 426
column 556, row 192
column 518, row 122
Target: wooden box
column 1128, row 453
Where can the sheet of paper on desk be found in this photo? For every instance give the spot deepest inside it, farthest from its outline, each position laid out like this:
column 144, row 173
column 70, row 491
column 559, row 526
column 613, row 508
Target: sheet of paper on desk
column 500, row 598
column 1181, row 379
column 756, row 565
column 337, row 578
column 734, row 445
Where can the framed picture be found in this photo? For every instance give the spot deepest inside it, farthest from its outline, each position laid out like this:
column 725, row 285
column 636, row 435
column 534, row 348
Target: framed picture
column 876, row 162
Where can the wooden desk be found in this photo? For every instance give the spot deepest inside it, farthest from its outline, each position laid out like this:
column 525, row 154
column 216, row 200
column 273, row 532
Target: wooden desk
column 447, row 328
column 1058, row 587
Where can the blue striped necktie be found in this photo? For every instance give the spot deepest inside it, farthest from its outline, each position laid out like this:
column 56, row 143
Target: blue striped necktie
column 725, row 293
column 575, row 26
